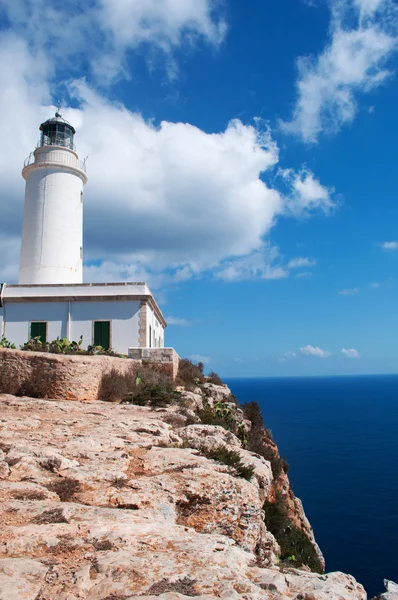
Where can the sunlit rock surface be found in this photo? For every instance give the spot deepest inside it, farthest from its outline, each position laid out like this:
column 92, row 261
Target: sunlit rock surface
column 112, row 502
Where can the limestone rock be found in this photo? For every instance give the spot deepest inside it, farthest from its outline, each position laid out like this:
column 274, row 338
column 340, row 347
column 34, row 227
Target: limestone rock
column 103, row 501
column 391, row 591
column 21, row 578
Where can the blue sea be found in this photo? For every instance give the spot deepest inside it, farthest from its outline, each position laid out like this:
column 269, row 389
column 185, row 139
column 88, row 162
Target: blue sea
column 340, row 437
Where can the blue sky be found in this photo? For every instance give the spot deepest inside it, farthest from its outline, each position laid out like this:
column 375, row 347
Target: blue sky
column 241, row 160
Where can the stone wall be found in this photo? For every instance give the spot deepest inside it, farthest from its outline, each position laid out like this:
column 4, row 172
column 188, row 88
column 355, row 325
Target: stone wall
column 164, row 356
column 77, row 377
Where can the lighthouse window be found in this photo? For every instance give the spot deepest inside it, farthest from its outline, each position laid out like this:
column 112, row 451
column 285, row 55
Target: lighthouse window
column 102, row 334
column 38, row 329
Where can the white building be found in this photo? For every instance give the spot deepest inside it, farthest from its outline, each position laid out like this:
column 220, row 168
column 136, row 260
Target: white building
column 51, row 299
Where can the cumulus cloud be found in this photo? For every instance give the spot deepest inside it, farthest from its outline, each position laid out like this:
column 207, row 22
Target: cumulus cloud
column 177, row 321
column 164, row 202
column 99, row 34
column 199, row 358
column 315, row 351
column 389, row 246
column 238, row 360
column 353, row 62
column 350, row 353
column 306, row 192
column 349, row 292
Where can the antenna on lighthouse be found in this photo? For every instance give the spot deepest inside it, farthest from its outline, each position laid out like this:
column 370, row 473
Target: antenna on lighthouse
column 58, row 113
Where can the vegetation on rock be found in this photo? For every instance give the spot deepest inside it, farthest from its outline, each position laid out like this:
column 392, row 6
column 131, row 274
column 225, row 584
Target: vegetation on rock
column 4, row 343
column 189, row 374
column 231, row 458
column 296, row 548
column 64, row 346
column 143, row 385
column 259, row 440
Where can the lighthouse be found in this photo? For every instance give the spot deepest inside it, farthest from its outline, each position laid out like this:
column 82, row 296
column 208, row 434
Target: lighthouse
column 51, row 301
column 52, row 235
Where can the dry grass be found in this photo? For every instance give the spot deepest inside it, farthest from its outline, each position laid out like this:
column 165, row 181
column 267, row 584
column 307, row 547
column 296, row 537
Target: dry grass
column 54, row 515
column 65, row 488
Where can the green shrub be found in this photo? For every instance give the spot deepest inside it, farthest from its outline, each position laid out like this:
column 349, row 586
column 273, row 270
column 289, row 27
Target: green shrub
column 149, row 394
column 146, row 385
column 4, row 343
column 219, row 414
column 215, row 379
column 260, row 441
column 115, row 386
column 189, row 374
column 223, row 455
column 296, row 547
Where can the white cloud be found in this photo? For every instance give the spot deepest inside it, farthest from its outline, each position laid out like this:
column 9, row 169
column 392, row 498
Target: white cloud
column 353, row 62
column 390, row 245
column 199, row 358
column 177, row 321
column 260, row 264
column 349, row 292
column 101, row 33
column 297, row 263
column 163, row 203
column 238, row 360
column 287, row 356
column 350, row 353
column 315, row 351
column 307, row 194
column 375, row 285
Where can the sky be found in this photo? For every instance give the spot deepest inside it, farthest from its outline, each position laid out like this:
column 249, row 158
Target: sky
column 241, row 160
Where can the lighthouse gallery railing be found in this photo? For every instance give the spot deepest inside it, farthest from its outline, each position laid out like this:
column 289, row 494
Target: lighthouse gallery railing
column 60, row 158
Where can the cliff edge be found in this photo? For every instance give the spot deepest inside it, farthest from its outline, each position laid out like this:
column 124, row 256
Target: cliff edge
column 106, row 501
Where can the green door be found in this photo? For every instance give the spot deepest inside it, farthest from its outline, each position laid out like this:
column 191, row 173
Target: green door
column 102, row 334
column 39, row 330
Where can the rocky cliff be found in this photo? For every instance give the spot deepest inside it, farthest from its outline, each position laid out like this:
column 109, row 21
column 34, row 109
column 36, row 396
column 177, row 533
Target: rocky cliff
column 103, row 501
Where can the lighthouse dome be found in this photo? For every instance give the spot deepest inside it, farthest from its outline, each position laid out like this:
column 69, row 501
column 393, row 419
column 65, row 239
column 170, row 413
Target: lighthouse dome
column 57, row 132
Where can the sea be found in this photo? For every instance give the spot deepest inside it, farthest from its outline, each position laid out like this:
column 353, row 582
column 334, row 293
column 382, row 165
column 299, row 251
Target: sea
column 340, row 438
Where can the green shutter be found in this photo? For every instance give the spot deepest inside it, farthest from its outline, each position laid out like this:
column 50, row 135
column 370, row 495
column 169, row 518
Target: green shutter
column 102, row 334
column 38, row 330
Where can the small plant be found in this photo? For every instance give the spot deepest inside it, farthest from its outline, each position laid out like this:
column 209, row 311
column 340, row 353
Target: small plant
column 29, row 495
column 182, row 586
column 54, row 515
column 189, row 374
column 215, row 379
column 4, row 343
column 119, row 482
column 66, row 488
column 115, row 386
column 219, row 414
column 223, row 455
column 102, row 545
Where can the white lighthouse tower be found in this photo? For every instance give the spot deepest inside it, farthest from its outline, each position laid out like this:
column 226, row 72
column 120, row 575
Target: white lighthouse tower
column 52, row 236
